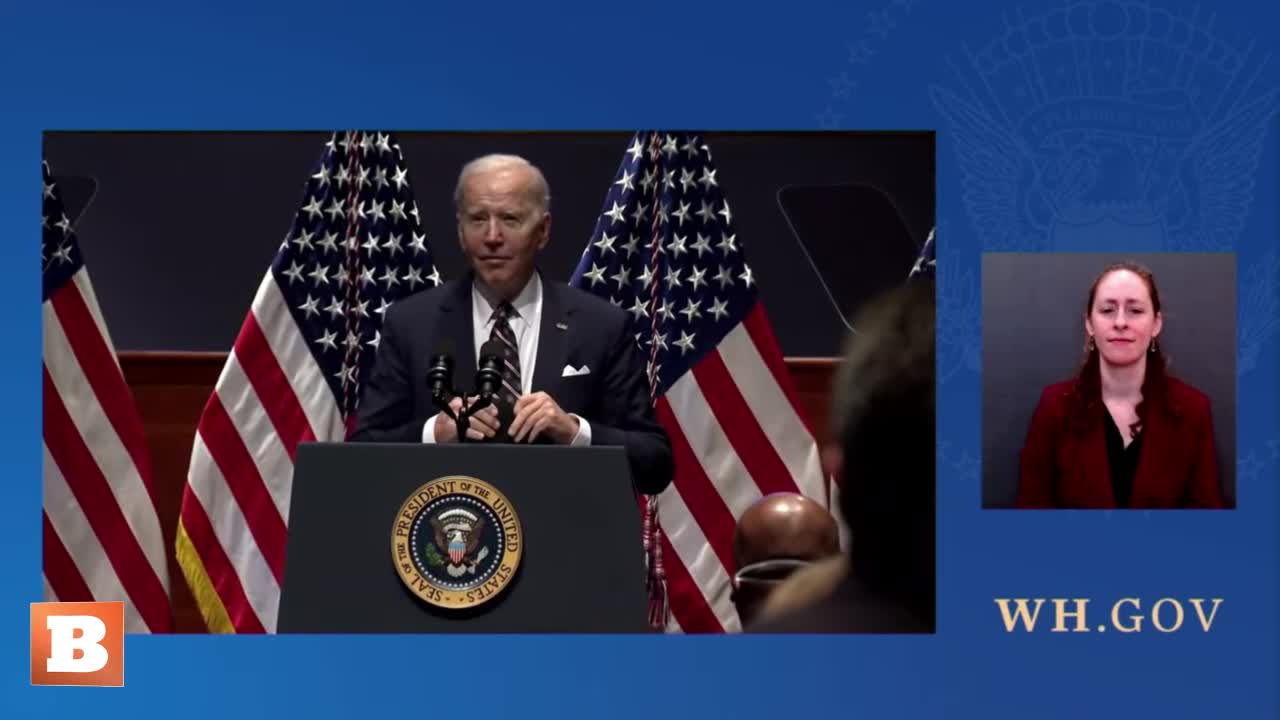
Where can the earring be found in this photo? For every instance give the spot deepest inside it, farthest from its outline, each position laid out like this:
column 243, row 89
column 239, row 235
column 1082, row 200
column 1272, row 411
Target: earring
column 1152, row 347
column 1088, row 344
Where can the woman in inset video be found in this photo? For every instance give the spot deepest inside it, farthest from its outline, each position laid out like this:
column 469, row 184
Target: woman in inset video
column 1123, row 433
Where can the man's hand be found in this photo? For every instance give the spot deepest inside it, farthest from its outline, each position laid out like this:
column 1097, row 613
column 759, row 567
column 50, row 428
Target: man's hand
column 538, row 414
column 484, row 424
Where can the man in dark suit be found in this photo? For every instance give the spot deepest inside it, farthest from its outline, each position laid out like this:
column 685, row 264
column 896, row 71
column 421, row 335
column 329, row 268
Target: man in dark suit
column 572, row 372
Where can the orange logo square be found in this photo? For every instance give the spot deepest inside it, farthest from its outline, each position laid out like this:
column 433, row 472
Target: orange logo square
column 77, row 643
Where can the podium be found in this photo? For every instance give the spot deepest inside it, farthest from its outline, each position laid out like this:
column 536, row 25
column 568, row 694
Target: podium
column 581, row 558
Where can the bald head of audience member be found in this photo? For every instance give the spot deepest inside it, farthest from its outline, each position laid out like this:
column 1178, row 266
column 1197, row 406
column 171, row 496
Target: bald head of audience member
column 777, row 535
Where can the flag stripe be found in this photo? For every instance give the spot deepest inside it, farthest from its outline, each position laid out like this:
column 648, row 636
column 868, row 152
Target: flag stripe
column 240, row 475
column 711, row 476
column 741, row 427
column 260, row 435
column 699, row 560
column 223, row 577
column 294, row 358
column 66, row 519
column 706, row 505
column 61, row 576
column 768, row 404
column 710, row 354
column 275, row 394
column 85, row 288
column 690, row 611
column 98, row 363
column 103, row 514
column 295, row 371
column 49, row 594
column 720, row 461
column 672, row 621
column 102, row 536
column 245, row 555
column 757, row 325
column 112, row 459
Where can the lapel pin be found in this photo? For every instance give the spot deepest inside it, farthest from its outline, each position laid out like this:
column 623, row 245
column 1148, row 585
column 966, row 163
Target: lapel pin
column 561, row 326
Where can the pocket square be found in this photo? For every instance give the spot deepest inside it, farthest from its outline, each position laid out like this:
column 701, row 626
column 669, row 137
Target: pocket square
column 569, row 371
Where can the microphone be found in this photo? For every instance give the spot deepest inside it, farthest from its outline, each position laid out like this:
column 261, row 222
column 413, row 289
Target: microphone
column 489, row 370
column 489, row 386
column 440, row 375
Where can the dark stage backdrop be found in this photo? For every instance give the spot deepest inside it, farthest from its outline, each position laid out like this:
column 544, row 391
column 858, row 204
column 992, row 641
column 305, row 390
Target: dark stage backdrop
column 178, row 228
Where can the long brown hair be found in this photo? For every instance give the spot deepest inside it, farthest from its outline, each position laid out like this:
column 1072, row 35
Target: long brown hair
column 1087, row 394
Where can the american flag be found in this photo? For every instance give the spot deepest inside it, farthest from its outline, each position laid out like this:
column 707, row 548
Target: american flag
column 102, row 539
column 666, row 250
column 294, row 375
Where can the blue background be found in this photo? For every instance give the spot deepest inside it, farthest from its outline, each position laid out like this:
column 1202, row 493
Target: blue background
column 880, row 64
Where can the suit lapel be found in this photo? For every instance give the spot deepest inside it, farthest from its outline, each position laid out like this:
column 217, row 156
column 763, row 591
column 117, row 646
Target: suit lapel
column 553, row 340
column 458, row 327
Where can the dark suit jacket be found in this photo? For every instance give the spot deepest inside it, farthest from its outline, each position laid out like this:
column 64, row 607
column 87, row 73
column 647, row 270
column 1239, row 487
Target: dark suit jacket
column 852, row 607
column 1064, row 464
column 577, row 328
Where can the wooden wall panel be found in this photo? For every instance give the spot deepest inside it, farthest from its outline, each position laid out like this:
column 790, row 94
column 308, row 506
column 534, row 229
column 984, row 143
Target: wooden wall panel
column 172, row 388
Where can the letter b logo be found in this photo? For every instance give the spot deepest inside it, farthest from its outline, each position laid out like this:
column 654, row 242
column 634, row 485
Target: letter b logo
column 77, row 643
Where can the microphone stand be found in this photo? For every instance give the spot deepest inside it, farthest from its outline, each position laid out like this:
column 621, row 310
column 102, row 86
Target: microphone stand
column 486, row 377
column 461, row 420
column 482, row 401
column 443, row 394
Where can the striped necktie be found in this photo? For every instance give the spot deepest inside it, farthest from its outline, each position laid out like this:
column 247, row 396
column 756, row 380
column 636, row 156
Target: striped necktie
column 510, row 355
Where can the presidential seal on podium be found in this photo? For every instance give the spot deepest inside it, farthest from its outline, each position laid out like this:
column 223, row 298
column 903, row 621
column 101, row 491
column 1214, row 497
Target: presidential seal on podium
column 457, row 542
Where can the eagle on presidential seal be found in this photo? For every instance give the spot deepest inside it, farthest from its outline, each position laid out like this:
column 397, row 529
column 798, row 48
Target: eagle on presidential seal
column 1105, row 125
column 458, row 533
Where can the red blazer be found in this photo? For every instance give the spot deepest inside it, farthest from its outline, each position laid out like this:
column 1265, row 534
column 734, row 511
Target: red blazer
column 1066, row 467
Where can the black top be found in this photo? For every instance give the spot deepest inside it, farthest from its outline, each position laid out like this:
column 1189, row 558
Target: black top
column 1122, row 460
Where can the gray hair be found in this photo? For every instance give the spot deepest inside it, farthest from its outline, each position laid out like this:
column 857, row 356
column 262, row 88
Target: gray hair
column 541, row 191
